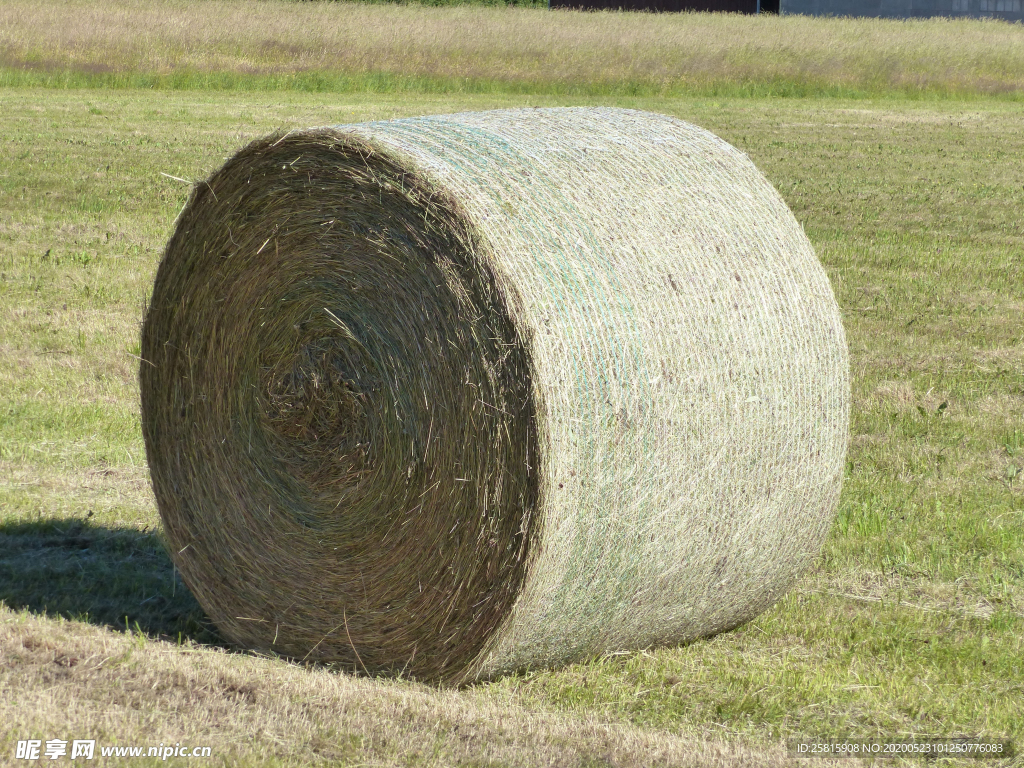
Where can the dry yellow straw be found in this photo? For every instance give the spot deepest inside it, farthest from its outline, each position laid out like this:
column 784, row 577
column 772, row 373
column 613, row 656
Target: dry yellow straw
column 466, row 394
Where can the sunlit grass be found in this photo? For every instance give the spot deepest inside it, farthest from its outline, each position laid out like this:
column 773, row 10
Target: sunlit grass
column 346, row 46
column 912, row 621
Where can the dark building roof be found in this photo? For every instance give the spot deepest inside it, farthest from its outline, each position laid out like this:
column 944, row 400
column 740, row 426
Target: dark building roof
column 1010, row 10
column 730, row 6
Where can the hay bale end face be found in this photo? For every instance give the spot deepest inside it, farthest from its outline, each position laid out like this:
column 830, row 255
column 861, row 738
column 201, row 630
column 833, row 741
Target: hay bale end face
column 460, row 395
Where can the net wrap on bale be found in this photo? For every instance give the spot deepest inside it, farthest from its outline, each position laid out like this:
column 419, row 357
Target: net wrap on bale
column 460, row 395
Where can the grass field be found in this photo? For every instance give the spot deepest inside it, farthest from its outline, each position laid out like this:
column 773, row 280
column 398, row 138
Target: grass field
column 911, row 623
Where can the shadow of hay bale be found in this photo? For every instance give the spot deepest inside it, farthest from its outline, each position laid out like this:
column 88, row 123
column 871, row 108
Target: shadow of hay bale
column 114, row 577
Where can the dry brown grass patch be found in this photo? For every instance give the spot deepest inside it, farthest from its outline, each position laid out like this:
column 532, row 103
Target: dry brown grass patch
column 69, row 680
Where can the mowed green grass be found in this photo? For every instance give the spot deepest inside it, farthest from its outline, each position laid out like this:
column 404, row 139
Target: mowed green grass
column 910, row 624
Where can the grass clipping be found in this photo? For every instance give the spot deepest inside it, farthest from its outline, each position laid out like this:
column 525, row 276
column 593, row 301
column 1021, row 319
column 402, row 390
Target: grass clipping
column 460, row 395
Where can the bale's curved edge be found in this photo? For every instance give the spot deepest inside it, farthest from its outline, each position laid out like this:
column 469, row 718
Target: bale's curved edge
column 633, row 374
column 327, row 369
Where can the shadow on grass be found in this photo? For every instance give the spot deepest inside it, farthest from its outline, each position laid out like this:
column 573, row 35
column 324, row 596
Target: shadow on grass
column 120, row 578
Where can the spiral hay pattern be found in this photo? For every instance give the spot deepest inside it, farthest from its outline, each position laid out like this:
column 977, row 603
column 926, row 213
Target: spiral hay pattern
column 459, row 395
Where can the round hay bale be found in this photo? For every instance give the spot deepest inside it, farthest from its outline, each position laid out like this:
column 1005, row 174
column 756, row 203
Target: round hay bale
column 460, row 395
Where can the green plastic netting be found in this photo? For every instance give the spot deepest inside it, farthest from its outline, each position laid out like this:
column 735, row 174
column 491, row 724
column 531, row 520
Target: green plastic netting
column 465, row 394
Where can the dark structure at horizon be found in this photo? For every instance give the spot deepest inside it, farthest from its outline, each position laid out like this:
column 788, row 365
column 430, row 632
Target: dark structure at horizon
column 1007, row 10
column 724, row 6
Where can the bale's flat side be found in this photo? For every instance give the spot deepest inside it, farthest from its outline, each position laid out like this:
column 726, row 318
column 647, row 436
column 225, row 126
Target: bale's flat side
column 464, row 394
